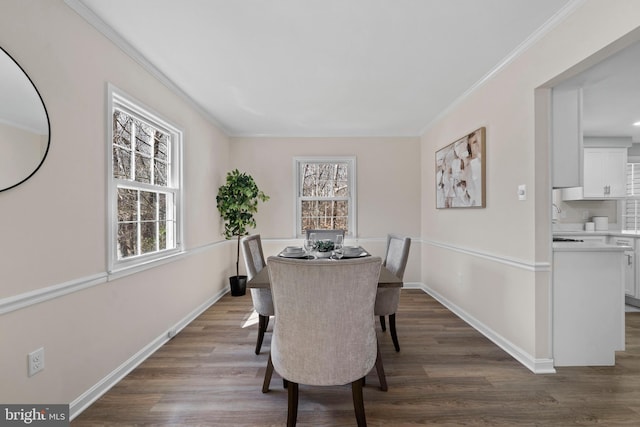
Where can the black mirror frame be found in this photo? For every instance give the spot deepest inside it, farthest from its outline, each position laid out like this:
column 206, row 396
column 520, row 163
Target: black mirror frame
column 46, row 114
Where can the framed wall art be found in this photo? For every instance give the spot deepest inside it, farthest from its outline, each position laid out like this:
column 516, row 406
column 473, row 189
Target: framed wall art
column 460, row 172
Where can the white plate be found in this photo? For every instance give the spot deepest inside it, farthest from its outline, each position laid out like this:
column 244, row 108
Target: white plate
column 352, row 251
column 293, row 254
column 355, row 254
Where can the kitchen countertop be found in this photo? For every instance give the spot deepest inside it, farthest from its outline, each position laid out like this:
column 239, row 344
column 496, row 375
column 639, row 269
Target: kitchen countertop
column 588, row 247
column 582, row 232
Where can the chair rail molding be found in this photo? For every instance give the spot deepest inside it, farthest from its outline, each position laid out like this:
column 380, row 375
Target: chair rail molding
column 26, row 299
column 510, row 261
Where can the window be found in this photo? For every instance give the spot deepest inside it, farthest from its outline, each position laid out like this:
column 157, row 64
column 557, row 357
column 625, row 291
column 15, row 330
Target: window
column 144, row 191
column 325, row 194
column 631, row 205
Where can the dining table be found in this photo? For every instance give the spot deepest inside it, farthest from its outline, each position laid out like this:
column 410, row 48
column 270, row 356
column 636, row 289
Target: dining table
column 386, row 279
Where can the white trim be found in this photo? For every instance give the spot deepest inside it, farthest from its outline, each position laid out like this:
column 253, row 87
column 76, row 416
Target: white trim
column 537, row 366
column 135, row 108
column 85, row 12
column 101, row 387
column 552, row 22
column 20, row 301
column 142, row 266
column 353, row 190
column 513, row 262
column 37, row 296
column 78, row 405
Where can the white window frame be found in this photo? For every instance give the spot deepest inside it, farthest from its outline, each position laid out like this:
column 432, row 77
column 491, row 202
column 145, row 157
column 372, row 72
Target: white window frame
column 351, row 162
column 632, row 196
column 116, row 98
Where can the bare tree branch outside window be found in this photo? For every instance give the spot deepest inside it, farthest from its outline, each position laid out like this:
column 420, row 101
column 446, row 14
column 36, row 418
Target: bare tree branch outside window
column 140, row 156
column 324, row 195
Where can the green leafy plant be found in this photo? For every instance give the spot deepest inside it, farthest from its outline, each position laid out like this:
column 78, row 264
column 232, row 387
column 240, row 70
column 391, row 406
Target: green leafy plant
column 323, row 245
column 237, row 202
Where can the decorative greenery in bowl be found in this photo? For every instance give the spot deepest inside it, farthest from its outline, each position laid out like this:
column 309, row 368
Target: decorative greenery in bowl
column 323, row 246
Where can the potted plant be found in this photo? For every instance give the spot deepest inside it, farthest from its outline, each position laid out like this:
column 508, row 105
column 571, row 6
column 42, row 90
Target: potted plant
column 323, row 248
column 237, row 201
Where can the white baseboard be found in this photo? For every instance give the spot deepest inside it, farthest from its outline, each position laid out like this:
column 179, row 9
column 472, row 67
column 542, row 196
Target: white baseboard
column 94, row 393
column 537, row 366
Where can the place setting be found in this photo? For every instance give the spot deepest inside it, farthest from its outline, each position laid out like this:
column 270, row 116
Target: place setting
column 295, row 252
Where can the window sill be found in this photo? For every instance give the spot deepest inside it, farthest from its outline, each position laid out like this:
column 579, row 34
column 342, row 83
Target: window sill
column 122, row 271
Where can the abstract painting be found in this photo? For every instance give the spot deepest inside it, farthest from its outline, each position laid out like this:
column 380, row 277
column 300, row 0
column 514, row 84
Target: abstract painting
column 460, row 172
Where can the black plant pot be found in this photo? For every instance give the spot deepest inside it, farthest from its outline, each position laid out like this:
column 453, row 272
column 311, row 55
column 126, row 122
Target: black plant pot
column 238, row 285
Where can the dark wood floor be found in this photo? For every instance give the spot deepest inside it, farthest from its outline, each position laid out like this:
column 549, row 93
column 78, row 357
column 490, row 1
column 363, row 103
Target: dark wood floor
column 446, row 374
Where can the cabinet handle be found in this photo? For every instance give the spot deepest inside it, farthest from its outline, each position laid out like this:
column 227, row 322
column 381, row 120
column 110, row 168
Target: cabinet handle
column 628, row 259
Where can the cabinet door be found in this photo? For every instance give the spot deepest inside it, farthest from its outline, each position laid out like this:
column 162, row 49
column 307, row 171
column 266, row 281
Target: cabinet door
column 566, row 137
column 615, row 172
column 629, row 263
column 605, row 172
column 593, row 173
column 629, row 273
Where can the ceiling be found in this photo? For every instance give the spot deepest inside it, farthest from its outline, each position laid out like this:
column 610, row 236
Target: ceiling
column 611, row 95
column 323, row 67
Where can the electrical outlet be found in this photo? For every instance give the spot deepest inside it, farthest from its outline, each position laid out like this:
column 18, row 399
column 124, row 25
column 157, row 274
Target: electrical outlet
column 36, row 361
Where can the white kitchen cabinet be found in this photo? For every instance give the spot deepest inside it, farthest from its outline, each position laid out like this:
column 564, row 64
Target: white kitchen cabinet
column 566, row 137
column 603, row 169
column 600, row 238
column 629, row 263
column 588, row 304
column 605, row 172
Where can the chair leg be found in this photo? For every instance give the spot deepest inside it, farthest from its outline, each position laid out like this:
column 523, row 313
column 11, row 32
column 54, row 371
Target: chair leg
column 392, row 329
column 380, row 370
column 292, row 394
column 263, row 322
column 358, row 402
column 382, row 324
column 267, row 375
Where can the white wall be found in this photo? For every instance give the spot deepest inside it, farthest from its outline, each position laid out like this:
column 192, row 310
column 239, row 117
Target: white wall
column 492, row 265
column 53, row 228
column 389, row 187
column 21, row 152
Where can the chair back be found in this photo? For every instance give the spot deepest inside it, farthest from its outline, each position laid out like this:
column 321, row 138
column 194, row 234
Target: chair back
column 252, row 253
column 326, row 234
column 324, row 331
column 397, row 254
column 254, row 262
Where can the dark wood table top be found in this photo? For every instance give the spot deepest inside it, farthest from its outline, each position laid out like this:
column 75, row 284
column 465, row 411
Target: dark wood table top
column 386, row 280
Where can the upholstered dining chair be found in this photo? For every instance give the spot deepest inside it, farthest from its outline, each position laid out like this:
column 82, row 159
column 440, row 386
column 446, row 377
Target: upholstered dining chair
column 262, row 301
column 338, row 350
column 387, row 299
column 326, row 234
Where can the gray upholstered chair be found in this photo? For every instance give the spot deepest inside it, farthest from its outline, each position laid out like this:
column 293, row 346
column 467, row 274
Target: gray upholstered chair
column 324, row 332
column 388, row 298
column 262, row 302
column 326, row 234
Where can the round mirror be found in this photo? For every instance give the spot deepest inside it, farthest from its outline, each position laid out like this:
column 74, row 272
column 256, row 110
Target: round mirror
column 24, row 125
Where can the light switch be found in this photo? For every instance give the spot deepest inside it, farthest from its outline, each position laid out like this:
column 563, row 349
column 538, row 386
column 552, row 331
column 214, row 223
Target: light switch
column 522, row 192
